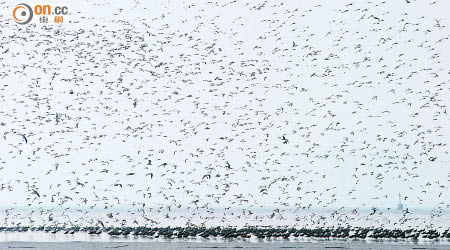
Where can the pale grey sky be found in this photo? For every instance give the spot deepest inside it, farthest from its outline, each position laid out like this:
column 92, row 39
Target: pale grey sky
column 359, row 89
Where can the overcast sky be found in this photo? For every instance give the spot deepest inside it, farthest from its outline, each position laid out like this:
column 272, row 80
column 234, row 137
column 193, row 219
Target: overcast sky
column 282, row 104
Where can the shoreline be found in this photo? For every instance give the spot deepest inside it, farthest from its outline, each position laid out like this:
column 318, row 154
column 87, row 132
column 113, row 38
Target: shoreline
column 222, row 234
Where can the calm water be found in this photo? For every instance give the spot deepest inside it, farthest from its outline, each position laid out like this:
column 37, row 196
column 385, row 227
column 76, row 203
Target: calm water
column 215, row 245
column 48, row 241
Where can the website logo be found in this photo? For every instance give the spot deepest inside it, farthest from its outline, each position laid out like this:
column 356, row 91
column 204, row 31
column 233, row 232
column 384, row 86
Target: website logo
column 24, row 13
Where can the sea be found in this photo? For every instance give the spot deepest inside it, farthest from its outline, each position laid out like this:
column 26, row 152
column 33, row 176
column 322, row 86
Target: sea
column 386, row 219
column 225, row 245
column 49, row 241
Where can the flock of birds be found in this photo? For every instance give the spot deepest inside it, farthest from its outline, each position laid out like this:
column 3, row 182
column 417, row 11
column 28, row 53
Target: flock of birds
column 211, row 113
column 244, row 233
